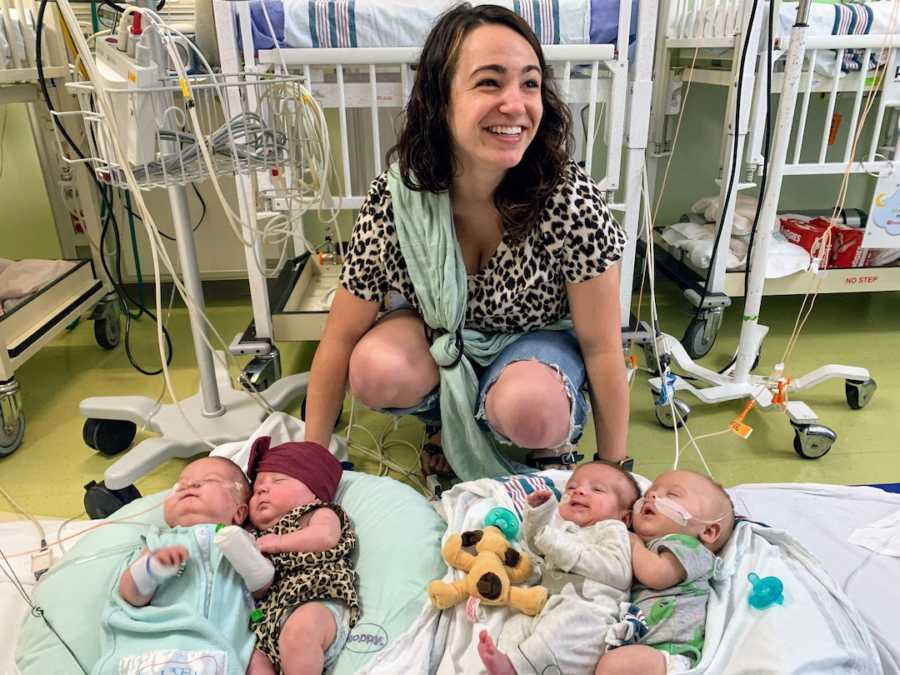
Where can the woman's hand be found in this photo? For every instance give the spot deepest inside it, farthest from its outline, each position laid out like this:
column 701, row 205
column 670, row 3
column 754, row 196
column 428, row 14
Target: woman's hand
column 538, row 497
column 269, row 543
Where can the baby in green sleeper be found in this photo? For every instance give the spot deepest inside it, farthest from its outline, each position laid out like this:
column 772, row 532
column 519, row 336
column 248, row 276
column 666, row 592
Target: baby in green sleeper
column 680, row 524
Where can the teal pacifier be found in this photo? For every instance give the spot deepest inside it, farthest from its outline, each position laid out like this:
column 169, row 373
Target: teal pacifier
column 504, row 520
column 766, row 592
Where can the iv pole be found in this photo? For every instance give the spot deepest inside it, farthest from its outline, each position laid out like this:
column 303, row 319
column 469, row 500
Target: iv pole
column 812, row 440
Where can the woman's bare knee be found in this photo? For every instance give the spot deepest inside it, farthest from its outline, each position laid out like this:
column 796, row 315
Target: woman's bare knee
column 391, row 366
column 529, row 405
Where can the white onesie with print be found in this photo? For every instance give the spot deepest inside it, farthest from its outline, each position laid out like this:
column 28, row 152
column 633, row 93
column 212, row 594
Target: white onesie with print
column 587, row 571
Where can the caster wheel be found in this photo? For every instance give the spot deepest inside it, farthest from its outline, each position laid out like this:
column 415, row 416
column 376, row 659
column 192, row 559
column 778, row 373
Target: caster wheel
column 11, row 433
column 337, row 420
column 108, row 327
column 100, row 501
column 695, row 340
column 108, row 437
column 664, row 414
column 812, row 441
column 859, row 392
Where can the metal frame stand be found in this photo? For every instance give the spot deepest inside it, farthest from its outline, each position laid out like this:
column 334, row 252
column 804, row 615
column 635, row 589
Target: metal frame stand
column 812, row 440
column 218, row 413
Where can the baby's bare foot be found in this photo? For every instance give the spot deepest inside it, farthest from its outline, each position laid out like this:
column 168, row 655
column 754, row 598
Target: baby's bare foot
column 496, row 662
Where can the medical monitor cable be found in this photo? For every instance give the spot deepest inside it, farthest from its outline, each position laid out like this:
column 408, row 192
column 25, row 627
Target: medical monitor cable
column 159, row 252
column 36, row 610
column 120, row 289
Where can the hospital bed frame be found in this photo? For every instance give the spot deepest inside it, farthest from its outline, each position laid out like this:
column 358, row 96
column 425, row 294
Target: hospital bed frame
column 44, row 315
column 718, row 31
column 357, row 83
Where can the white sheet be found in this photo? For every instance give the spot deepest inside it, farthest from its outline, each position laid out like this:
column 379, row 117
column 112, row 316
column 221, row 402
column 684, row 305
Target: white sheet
column 777, row 651
column 822, row 517
column 17, row 537
column 20, row 278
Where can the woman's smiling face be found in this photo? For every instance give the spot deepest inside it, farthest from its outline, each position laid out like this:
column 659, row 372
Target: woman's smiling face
column 495, row 100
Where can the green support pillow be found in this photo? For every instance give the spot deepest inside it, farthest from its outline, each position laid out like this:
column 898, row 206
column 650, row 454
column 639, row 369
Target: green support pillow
column 392, row 521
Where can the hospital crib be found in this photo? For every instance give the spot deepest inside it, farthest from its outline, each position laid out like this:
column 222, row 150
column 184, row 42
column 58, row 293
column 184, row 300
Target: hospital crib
column 82, row 288
column 724, row 44
column 363, row 89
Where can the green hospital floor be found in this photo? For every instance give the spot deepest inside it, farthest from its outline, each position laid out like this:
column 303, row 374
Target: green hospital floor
column 46, row 474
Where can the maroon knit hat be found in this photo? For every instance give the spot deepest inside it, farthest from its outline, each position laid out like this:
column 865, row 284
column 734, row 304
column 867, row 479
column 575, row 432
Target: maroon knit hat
column 308, row 462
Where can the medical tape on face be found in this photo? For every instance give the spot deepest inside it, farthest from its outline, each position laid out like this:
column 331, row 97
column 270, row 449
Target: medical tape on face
column 148, row 573
column 674, row 511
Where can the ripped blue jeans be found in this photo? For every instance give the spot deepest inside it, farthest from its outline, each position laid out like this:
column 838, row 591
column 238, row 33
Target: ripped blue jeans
column 556, row 349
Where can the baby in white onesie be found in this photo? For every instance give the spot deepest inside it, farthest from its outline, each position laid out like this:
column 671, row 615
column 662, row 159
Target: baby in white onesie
column 587, row 570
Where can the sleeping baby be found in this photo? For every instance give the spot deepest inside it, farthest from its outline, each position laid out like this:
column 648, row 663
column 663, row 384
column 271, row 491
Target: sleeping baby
column 681, row 523
column 180, row 607
column 308, row 609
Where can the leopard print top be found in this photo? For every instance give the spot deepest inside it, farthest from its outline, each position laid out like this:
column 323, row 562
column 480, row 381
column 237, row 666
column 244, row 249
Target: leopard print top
column 304, row 577
column 523, row 286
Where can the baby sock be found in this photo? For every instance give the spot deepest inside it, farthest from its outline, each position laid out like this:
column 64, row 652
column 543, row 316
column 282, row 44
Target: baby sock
column 239, row 547
column 148, row 573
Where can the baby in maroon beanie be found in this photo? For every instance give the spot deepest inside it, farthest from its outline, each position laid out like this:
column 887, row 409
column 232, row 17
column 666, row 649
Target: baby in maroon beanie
column 311, row 605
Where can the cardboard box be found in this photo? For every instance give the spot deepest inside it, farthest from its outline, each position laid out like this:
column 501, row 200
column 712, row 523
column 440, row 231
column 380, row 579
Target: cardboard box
column 806, row 233
column 847, row 249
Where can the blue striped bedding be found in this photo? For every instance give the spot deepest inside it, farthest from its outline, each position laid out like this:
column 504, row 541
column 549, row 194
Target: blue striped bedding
column 405, row 23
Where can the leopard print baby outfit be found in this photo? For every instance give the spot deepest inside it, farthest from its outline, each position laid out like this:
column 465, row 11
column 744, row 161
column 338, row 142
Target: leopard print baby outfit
column 522, row 287
column 304, row 577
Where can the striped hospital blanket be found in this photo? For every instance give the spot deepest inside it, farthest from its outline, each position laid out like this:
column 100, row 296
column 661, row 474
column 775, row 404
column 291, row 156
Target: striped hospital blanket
column 401, row 23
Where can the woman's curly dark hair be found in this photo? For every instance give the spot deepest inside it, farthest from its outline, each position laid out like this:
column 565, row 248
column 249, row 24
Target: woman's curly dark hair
column 424, row 149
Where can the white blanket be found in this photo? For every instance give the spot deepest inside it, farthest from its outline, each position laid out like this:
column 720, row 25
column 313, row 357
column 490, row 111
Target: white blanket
column 816, row 630
column 822, row 518
column 17, row 538
column 19, row 279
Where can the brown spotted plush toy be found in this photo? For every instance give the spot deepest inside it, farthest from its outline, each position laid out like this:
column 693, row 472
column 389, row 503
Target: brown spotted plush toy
column 490, row 573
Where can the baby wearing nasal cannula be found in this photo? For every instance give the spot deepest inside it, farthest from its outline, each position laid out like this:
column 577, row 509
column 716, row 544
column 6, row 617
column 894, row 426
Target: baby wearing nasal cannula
column 680, row 524
column 656, row 627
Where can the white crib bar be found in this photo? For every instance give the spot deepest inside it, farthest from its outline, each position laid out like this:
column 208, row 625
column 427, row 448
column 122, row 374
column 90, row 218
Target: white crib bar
column 376, row 132
column 345, row 142
column 9, row 24
column 592, row 113
column 826, row 123
column 857, row 103
column 567, row 79
column 405, row 82
column 705, row 19
column 876, row 131
column 804, row 110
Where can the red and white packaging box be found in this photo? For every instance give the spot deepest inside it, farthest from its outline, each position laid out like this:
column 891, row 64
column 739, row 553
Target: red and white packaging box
column 847, row 249
column 805, row 233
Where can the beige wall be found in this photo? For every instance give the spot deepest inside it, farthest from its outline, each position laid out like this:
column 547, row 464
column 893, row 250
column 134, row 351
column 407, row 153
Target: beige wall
column 26, row 228
column 26, row 222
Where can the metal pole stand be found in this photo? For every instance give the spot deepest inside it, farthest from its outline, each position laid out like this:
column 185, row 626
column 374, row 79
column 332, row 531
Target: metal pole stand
column 217, row 414
column 811, row 440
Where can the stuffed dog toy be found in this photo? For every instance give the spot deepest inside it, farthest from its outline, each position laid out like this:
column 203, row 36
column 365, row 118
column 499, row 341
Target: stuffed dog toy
column 490, row 573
